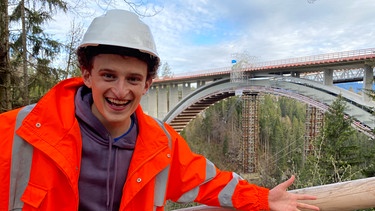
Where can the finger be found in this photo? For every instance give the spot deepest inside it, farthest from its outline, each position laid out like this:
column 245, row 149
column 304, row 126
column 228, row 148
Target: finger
column 288, row 183
column 307, row 206
column 305, row 197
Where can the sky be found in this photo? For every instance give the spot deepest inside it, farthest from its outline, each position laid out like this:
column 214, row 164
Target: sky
column 199, row 35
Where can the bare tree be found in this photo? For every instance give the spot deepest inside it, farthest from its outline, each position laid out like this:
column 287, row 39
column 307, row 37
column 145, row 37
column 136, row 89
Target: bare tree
column 166, row 71
column 144, row 8
column 73, row 40
column 140, row 9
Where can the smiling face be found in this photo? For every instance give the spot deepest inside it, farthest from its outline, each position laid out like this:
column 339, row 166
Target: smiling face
column 117, row 83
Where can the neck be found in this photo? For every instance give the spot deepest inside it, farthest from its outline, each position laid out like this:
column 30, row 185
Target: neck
column 116, row 129
column 119, row 129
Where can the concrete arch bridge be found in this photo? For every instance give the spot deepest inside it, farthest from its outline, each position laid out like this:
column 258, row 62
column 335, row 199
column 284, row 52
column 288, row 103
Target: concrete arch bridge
column 310, row 92
column 309, row 79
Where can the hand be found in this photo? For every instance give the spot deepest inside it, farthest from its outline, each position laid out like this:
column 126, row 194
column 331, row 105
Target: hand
column 280, row 200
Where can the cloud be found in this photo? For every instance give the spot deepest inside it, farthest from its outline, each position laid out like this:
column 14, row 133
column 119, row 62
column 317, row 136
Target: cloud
column 193, row 35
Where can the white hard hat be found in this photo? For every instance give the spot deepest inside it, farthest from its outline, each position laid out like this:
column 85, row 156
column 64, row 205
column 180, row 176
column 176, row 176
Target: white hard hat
column 120, row 28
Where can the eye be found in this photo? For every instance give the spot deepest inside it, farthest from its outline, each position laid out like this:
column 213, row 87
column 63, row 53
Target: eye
column 108, row 76
column 134, row 79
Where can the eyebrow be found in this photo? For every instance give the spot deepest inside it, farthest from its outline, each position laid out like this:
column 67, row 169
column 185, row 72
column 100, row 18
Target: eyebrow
column 114, row 71
column 106, row 70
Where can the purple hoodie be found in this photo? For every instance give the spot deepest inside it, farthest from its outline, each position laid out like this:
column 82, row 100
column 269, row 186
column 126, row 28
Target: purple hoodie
column 105, row 159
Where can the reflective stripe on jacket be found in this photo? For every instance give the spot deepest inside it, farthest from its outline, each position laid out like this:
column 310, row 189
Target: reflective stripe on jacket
column 53, row 131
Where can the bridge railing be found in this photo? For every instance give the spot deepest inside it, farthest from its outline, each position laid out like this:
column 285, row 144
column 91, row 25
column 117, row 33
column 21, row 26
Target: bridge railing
column 319, row 57
column 314, row 58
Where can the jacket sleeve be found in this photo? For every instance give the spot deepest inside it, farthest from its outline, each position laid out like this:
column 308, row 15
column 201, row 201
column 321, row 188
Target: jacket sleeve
column 195, row 178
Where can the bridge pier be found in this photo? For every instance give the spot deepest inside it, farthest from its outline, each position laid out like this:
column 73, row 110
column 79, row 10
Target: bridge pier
column 328, row 77
column 173, row 96
column 186, row 88
column 162, row 106
column 201, row 83
column 149, row 102
column 295, row 74
column 367, row 80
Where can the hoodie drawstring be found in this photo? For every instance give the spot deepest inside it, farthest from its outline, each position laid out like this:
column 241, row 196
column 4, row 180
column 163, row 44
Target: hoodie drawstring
column 108, row 170
column 115, row 178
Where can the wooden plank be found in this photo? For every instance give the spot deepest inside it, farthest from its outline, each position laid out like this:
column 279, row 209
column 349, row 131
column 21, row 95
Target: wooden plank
column 350, row 195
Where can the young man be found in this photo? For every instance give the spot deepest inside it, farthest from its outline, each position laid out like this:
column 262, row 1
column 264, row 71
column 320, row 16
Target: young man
column 87, row 145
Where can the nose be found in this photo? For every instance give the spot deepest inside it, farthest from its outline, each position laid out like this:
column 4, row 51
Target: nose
column 120, row 89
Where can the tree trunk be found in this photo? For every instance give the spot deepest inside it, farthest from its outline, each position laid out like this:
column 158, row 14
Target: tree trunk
column 5, row 72
column 25, row 96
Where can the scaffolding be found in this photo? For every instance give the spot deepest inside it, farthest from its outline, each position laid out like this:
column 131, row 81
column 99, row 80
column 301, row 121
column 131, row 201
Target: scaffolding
column 237, row 76
column 250, row 130
column 313, row 125
column 240, row 62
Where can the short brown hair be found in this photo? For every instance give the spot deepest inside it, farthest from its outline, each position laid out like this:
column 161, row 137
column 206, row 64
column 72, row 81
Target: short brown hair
column 86, row 54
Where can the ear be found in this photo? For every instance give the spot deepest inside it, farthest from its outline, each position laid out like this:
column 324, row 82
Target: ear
column 86, row 76
column 147, row 86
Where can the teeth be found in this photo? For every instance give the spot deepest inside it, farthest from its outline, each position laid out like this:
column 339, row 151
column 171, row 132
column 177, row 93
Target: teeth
column 118, row 102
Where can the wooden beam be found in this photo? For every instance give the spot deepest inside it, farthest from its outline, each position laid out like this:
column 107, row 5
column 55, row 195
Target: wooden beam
column 350, row 195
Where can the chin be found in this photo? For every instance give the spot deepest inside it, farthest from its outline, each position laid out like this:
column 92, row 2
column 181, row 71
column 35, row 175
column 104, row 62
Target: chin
column 116, row 118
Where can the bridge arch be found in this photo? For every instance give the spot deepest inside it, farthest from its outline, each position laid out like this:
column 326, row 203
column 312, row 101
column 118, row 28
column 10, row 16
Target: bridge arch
column 307, row 91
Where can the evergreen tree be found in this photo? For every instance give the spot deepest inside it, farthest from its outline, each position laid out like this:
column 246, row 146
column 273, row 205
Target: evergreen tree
column 336, row 156
column 30, row 47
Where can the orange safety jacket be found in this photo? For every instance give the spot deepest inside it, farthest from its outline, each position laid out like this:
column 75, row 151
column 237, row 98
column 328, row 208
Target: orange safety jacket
column 162, row 167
